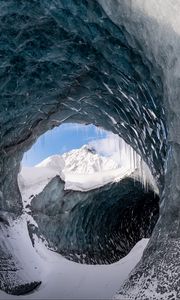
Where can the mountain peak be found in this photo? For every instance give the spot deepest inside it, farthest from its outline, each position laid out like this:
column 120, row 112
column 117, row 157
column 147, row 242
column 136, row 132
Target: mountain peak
column 87, row 161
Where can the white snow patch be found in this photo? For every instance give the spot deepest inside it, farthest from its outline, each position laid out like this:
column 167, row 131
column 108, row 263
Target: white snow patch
column 82, row 182
column 87, row 161
column 63, row 279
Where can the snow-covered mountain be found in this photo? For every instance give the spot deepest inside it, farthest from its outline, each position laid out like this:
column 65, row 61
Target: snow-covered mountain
column 86, row 161
column 82, row 170
column 54, row 162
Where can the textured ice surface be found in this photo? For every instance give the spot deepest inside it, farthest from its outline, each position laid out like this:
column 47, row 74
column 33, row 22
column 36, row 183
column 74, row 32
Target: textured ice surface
column 156, row 27
column 116, row 67
column 18, row 274
column 63, row 279
column 95, row 227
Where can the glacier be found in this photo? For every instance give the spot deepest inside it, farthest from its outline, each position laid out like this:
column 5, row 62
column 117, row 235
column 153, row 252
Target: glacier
column 111, row 63
column 75, row 217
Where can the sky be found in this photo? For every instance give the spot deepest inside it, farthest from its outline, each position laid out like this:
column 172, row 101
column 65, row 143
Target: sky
column 71, row 136
column 62, row 139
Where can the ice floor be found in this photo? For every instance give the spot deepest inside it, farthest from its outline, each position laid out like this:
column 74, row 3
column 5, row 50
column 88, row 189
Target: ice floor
column 63, row 279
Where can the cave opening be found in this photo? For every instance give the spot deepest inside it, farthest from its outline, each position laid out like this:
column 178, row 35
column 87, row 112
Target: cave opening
column 91, row 195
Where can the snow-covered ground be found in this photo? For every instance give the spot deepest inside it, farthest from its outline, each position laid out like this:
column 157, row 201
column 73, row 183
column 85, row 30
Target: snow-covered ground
column 63, row 279
column 82, row 169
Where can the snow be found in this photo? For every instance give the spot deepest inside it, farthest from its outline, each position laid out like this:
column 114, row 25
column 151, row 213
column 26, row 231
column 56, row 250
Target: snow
column 32, row 181
column 81, row 182
column 63, row 279
column 82, row 170
column 86, row 170
column 54, row 162
column 86, row 161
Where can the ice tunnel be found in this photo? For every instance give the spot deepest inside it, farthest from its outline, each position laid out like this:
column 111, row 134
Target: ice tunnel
column 111, row 63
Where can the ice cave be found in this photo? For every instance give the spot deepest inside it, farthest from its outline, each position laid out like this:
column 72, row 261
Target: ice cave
column 110, row 63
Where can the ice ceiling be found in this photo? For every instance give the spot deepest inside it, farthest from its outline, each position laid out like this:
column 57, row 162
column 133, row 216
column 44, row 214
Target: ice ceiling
column 109, row 63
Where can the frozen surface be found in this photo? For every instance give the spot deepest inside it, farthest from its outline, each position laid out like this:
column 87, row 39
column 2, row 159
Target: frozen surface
column 62, row 279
